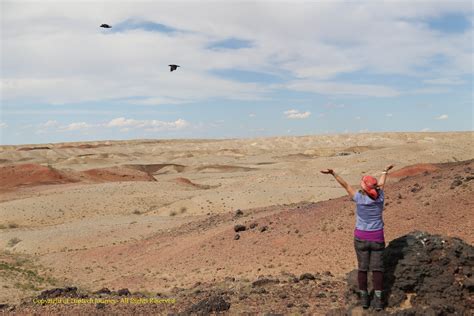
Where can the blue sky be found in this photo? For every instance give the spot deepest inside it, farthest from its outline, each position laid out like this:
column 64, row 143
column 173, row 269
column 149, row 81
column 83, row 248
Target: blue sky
column 248, row 69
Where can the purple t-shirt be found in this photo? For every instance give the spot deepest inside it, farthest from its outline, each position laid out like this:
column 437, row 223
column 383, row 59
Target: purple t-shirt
column 369, row 221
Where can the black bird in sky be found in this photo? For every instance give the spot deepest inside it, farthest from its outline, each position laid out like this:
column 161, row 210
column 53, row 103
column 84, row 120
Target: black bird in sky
column 173, row 67
column 106, row 26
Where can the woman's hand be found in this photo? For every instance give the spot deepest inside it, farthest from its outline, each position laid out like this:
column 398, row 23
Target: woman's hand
column 328, row 171
column 388, row 167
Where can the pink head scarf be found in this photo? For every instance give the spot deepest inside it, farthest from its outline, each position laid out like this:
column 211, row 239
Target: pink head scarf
column 369, row 184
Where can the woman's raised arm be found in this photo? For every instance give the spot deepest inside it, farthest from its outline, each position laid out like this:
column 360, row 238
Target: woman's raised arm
column 384, row 176
column 341, row 181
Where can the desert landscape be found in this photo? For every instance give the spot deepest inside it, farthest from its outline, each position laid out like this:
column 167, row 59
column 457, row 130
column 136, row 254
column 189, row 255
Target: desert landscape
column 250, row 225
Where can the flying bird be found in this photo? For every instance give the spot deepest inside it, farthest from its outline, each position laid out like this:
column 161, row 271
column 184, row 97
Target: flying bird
column 106, row 26
column 173, row 67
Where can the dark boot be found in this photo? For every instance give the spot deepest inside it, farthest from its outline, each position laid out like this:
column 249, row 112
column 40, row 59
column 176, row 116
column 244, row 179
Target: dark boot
column 377, row 302
column 364, row 299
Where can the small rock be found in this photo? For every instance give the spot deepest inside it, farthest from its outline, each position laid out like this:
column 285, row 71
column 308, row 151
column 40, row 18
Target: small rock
column 289, row 305
column 103, row 290
column 253, row 225
column 239, row 228
column 259, row 290
column 59, row 292
column 263, row 228
column 469, row 284
column 100, row 305
column 307, row 276
column 236, row 237
column 400, row 196
column 455, row 183
column 264, row 281
column 426, row 203
column 123, row 292
column 328, row 273
column 416, row 188
column 239, row 213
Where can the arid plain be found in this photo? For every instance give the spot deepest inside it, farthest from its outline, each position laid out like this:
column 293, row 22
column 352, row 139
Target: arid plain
column 153, row 215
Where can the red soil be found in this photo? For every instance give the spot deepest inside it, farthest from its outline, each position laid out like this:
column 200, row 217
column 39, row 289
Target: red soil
column 116, row 174
column 413, row 170
column 20, row 175
column 298, row 238
column 185, row 181
column 305, row 237
column 30, row 174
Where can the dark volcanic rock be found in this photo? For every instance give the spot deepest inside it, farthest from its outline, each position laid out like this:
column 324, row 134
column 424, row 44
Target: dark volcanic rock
column 239, row 228
column 210, row 305
column 307, row 276
column 455, row 183
column 236, row 237
column 103, row 291
column 264, row 281
column 416, row 188
column 59, row 292
column 239, row 213
column 433, row 272
column 100, row 305
column 253, row 225
column 123, row 292
column 263, row 228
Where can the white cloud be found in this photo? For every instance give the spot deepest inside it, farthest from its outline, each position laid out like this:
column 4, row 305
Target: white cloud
column 252, row 115
column 76, row 126
column 430, row 91
column 3, row 125
column 158, row 101
column 442, row 117
column 50, row 123
column 148, row 125
column 389, row 115
column 336, row 88
column 426, row 129
column 296, row 114
column 445, row 81
column 105, row 65
column 357, row 118
column 122, row 122
column 334, row 106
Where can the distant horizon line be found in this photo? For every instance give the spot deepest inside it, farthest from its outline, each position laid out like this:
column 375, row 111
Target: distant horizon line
column 236, row 138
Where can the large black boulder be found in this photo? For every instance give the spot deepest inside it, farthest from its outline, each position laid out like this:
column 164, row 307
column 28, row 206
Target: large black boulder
column 428, row 273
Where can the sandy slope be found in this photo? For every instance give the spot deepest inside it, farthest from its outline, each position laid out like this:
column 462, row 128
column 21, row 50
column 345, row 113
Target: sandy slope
column 94, row 232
